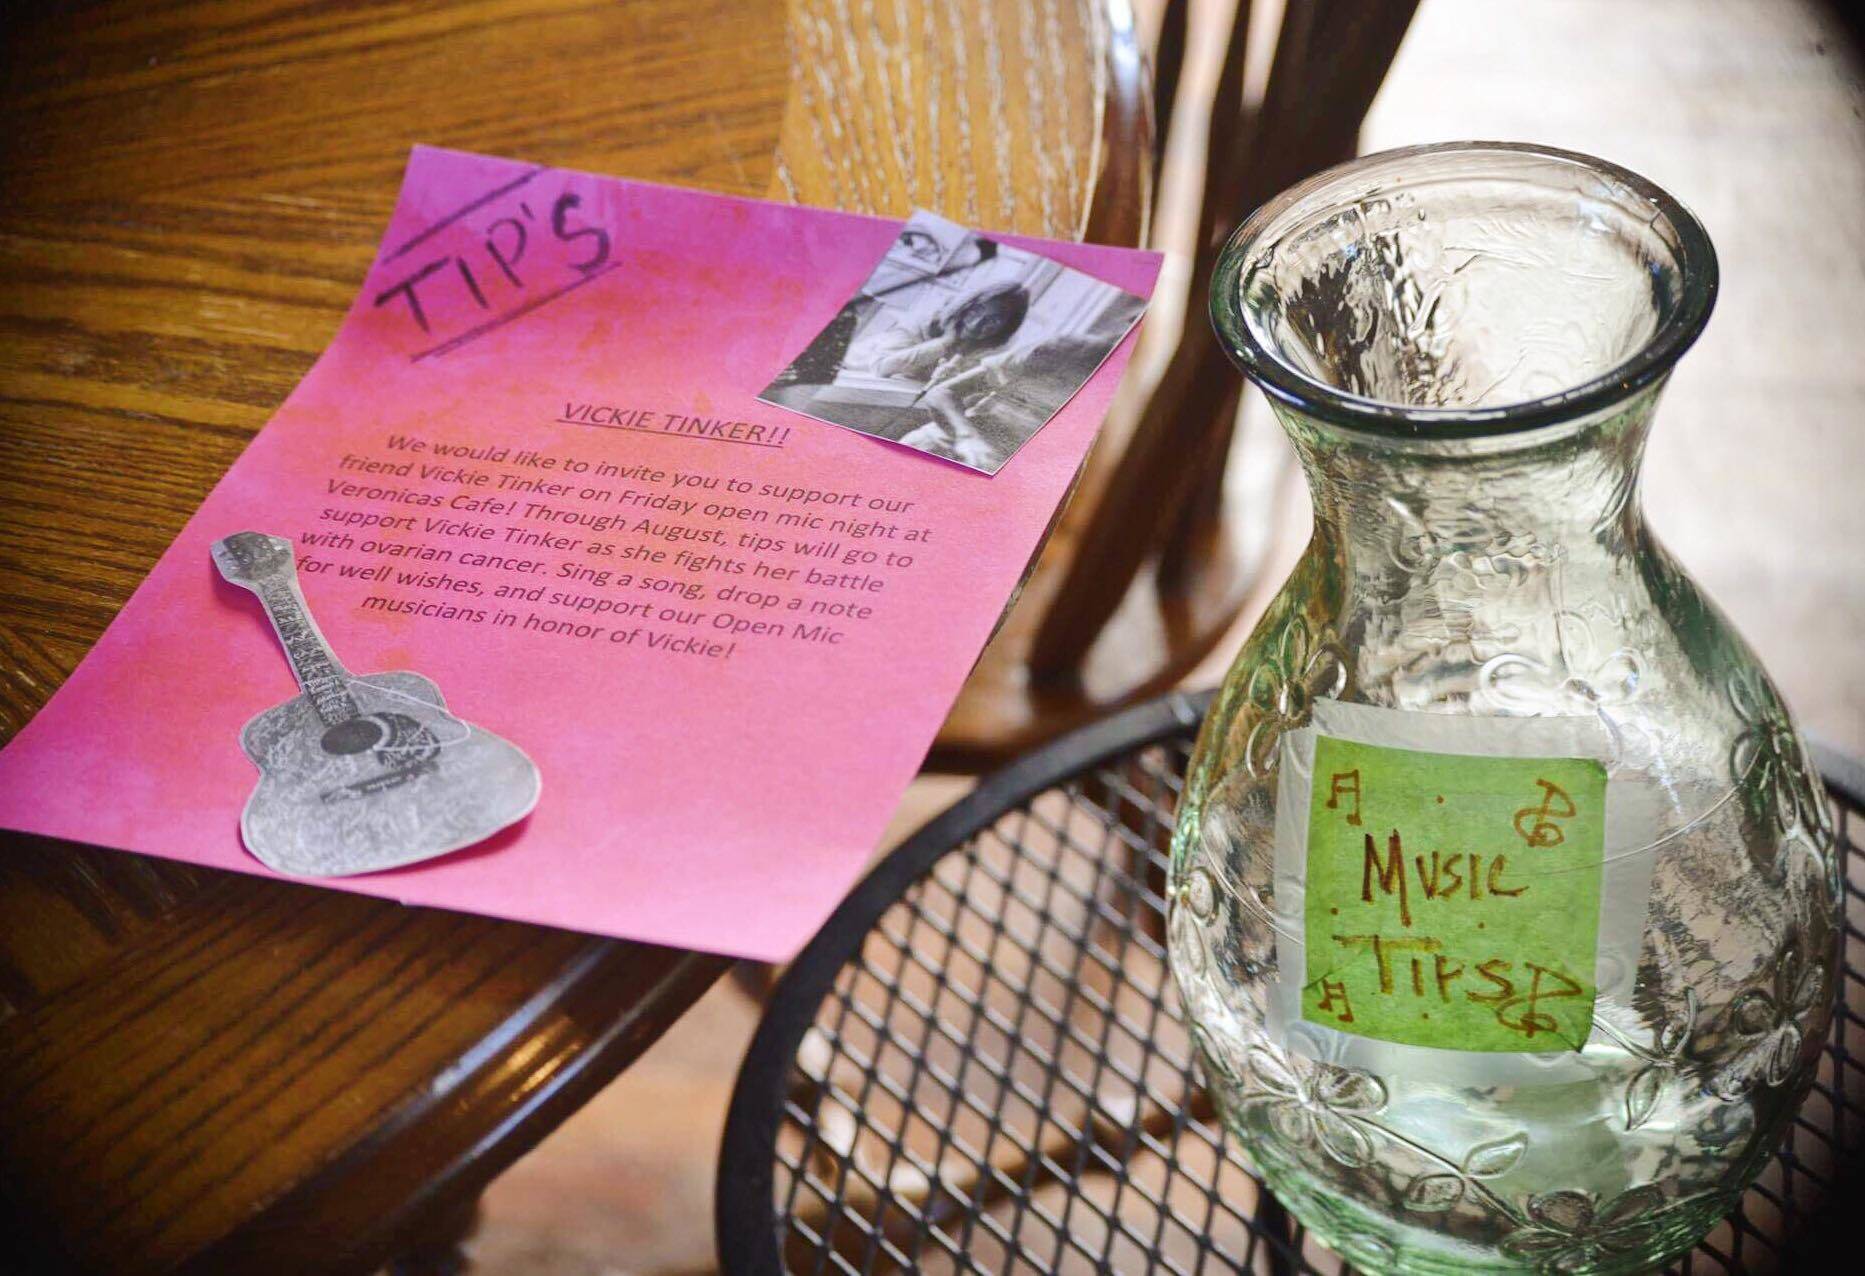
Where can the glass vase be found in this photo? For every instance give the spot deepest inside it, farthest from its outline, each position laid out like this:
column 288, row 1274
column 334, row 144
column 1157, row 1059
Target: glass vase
column 1504, row 902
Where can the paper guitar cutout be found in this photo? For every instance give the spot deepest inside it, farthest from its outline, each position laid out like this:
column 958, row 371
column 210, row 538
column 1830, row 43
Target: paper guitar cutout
column 360, row 774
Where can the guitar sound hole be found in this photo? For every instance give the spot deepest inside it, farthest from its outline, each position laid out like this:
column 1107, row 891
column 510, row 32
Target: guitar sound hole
column 354, row 736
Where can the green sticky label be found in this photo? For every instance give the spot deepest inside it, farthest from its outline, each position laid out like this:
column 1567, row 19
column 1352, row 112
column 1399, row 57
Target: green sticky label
column 1453, row 901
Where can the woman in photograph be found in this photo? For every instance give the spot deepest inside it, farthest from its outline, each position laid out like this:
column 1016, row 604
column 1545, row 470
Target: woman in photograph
column 982, row 416
column 837, row 347
column 953, row 342
column 959, row 355
column 958, row 362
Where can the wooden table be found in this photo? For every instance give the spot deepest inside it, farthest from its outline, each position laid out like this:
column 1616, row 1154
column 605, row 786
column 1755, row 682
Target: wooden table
column 207, row 1071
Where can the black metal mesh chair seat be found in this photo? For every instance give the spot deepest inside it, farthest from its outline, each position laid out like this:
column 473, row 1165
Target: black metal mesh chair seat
column 979, row 1065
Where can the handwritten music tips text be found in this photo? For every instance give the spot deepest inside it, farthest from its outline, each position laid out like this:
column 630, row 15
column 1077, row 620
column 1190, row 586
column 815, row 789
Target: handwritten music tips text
column 1432, row 917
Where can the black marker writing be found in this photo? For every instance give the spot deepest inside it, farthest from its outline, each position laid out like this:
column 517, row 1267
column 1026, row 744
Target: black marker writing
column 507, row 260
column 559, row 216
column 407, row 289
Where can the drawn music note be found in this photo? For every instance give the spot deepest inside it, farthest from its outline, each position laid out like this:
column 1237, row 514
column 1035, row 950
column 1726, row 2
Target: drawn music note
column 1555, row 806
column 1334, row 998
column 1345, row 784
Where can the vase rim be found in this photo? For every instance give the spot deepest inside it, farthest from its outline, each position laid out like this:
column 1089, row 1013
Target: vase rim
column 1257, row 358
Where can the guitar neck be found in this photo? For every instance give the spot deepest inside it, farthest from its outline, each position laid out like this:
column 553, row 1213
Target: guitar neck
column 319, row 673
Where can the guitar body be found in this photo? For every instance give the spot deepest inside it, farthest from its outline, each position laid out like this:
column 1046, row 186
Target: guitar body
column 401, row 781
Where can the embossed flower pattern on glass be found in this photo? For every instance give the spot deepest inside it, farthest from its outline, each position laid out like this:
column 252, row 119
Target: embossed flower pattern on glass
column 1283, row 689
column 1663, row 1059
column 1569, row 1231
column 1194, row 907
column 1470, row 540
column 1769, row 749
column 1770, row 1023
column 1769, row 767
column 1315, row 1105
column 1585, row 681
column 1449, row 1183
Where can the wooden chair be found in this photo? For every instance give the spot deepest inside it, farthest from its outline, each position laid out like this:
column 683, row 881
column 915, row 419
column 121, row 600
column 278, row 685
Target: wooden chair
column 1140, row 579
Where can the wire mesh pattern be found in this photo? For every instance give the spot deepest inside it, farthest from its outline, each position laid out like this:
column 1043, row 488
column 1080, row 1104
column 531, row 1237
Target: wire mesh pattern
column 979, row 1064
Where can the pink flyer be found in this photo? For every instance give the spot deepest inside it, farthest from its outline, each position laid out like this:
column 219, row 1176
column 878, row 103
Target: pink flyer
column 534, row 467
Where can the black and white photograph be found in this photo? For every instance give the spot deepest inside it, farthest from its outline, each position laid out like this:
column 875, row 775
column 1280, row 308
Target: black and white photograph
column 957, row 345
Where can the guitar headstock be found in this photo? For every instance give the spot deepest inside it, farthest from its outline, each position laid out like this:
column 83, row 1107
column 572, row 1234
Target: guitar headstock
column 246, row 557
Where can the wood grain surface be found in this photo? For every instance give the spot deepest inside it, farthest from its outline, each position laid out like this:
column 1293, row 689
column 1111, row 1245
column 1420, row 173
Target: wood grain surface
column 1020, row 115
column 212, row 1072
column 972, row 108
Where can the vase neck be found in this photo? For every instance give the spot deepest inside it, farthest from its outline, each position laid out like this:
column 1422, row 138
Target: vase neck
column 1391, row 509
